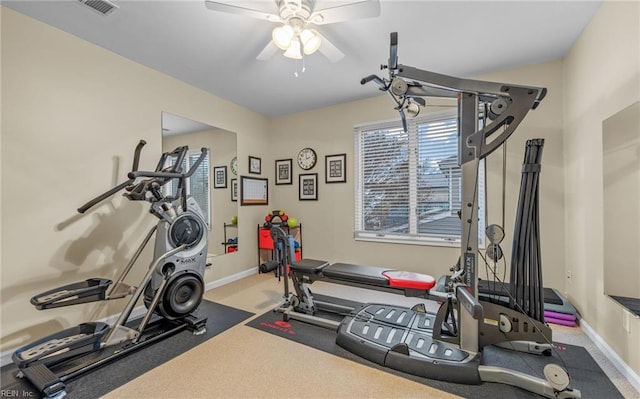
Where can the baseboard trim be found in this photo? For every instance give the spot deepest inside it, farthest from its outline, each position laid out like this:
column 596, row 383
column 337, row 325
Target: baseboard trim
column 617, row 361
column 5, row 357
column 230, row 279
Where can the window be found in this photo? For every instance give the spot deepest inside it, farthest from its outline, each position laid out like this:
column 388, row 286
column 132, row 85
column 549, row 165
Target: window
column 197, row 184
column 408, row 184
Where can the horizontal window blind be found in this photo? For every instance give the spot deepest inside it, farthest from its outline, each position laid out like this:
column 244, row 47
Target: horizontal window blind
column 197, row 184
column 385, row 180
column 408, row 185
column 439, row 177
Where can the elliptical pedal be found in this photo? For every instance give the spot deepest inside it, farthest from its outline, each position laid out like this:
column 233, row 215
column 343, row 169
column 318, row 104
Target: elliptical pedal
column 45, row 381
column 90, row 290
column 83, row 338
column 52, row 345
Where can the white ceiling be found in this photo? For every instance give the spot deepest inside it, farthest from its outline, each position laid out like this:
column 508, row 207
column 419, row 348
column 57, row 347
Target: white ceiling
column 216, row 52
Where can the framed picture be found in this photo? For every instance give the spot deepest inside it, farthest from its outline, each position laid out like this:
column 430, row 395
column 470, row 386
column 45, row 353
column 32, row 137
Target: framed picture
column 219, row 177
column 234, row 189
column 335, row 168
column 255, row 165
column 254, row 191
column 283, row 171
column 308, row 189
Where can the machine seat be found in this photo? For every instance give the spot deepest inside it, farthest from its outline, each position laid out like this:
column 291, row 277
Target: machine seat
column 410, row 280
column 308, row 266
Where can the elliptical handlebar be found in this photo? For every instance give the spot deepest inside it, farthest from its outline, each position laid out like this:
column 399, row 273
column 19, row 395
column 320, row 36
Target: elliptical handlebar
column 171, row 175
column 180, row 153
column 136, row 155
column 109, row 193
column 104, row 196
column 194, row 167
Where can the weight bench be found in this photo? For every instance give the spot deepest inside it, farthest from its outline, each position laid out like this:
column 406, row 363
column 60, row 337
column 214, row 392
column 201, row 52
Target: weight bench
column 307, row 271
column 409, row 283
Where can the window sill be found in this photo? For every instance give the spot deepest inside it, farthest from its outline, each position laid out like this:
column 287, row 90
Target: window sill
column 453, row 243
column 407, row 240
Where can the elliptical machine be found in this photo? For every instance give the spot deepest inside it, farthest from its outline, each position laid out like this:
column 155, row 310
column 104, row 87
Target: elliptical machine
column 172, row 288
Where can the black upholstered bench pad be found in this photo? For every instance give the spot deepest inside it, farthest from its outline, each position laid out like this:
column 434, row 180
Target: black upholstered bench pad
column 356, row 273
column 309, row 266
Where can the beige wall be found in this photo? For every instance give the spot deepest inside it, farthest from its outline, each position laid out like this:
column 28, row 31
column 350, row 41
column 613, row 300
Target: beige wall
column 601, row 77
column 72, row 115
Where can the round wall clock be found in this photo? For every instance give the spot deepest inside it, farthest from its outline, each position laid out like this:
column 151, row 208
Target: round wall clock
column 234, row 165
column 307, row 158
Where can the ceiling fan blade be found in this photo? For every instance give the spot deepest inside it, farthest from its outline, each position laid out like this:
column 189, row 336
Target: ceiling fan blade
column 346, row 12
column 247, row 12
column 329, row 50
column 268, row 52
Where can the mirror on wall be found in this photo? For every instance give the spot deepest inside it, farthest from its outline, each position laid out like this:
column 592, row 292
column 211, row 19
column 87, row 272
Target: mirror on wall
column 621, row 207
column 213, row 182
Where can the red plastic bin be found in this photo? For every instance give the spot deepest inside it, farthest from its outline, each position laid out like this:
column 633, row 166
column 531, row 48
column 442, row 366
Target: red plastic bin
column 264, row 239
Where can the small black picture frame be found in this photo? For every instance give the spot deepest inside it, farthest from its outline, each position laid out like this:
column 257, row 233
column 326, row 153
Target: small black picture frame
column 284, row 171
column 308, row 187
column 335, row 168
column 219, row 177
column 234, row 190
column 255, row 165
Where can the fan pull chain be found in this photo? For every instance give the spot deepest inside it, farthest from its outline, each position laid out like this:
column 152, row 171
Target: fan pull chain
column 304, row 68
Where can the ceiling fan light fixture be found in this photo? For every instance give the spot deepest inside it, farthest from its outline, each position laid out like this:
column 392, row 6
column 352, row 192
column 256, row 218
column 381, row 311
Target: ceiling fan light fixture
column 282, row 36
column 294, row 50
column 310, row 41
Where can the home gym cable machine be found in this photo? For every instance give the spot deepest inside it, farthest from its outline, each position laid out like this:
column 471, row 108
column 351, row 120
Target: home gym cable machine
column 171, row 289
column 447, row 345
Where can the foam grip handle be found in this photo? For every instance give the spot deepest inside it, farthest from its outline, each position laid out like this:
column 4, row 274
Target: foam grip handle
column 375, row 79
column 368, row 79
column 268, row 266
column 136, row 155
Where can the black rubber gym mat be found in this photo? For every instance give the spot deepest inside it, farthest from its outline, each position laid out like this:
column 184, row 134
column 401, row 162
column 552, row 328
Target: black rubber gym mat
column 585, row 373
column 99, row 382
column 494, row 288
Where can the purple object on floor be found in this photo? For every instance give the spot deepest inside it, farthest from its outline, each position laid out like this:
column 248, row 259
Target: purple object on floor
column 558, row 315
column 562, row 322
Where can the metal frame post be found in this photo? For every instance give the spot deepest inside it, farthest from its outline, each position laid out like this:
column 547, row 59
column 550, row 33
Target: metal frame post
column 467, row 125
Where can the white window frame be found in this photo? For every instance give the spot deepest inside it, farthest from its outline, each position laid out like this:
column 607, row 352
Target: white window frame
column 413, row 237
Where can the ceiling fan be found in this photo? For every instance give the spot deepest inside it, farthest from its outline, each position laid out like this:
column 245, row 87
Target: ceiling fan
column 295, row 33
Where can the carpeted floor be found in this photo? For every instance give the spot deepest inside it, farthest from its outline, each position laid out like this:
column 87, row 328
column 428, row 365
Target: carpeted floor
column 244, row 362
column 100, row 381
column 584, row 371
